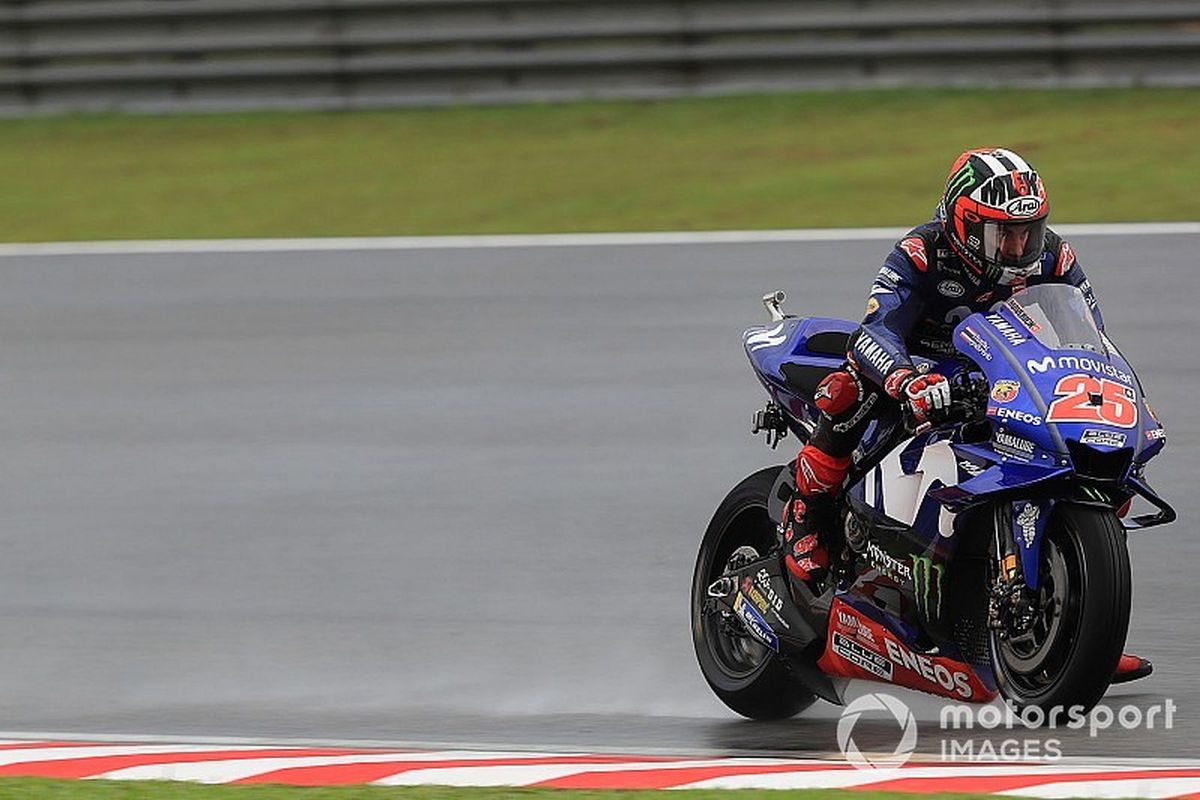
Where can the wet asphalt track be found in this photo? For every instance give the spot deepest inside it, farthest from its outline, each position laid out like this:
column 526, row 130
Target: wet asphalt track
column 446, row 496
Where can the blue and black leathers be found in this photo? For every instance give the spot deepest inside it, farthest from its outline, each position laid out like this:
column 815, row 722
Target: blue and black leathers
column 922, row 291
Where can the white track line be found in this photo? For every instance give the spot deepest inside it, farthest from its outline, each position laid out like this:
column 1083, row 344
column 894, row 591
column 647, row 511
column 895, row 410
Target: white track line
column 140, row 247
column 23, row 755
column 235, row 769
column 865, row 777
column 526, row 774
column 1133, row 787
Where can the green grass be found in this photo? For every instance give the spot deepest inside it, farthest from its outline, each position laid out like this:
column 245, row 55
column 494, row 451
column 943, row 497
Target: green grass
column 40, row 788
column 800, row 160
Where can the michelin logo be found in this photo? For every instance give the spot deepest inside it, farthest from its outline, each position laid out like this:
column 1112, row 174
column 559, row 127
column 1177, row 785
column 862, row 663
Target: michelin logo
column 754, row 622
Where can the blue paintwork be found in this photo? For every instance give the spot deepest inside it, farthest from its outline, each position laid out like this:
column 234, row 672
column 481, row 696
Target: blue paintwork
column 1026, row 452
column 770, row 347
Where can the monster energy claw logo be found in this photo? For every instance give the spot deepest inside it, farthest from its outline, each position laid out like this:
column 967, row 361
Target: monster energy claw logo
column 925, row 575
column 960, row 181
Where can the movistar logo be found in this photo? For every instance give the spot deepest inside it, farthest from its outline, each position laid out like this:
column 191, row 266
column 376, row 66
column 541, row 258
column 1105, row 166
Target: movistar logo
column 927, row 577
column 961, row 180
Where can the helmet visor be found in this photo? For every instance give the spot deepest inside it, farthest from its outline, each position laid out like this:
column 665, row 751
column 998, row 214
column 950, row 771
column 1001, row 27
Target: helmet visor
column 1014, row 244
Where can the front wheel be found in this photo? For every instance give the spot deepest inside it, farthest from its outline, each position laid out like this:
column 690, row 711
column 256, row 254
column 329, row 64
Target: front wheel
column 1067, row 656
column 747, row 676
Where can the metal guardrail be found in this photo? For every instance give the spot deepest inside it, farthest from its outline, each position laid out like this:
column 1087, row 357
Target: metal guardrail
column 178, row 55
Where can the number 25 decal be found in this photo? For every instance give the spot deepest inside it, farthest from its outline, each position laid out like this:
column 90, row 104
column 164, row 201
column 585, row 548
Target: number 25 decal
column 1083, row 398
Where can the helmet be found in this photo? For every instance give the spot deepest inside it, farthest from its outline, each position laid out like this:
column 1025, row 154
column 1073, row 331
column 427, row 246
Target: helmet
column 994, row 214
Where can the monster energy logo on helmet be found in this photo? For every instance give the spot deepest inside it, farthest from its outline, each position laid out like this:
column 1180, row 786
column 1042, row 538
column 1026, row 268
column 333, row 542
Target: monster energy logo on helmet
column 927, row 577
column 961, row 181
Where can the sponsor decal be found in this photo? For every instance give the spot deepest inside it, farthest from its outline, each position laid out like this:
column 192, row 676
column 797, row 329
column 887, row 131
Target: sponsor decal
column 1023, row 207
column 1089, row 296
column 887, row 565
column 962, row 180
column 1066, row 260
column 861, row 657
column 1000, row 412
column 914, row 248
column 852, row 624
column 891, row 385
column 972, row 241
column 1020, row 313
column 774, row 602
column 1078, row 363
column 755, row 596
column 766, row 338
column 977, row 342
column 971, row 468
column 1103, row 438
column 1083, row 398
column 888, row 277
column 1013, row 445
column 1010, row 334
column 1005, row 391
column 1156, row 434
column 754, row 622
column 873, row 353
column 927, row 580
column 936, row 673
column 1000, row 191
column 951, row 288
column 872, row 306
column 1027, row 521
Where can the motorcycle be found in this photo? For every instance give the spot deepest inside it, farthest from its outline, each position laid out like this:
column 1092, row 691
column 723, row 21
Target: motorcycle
column 980, row 555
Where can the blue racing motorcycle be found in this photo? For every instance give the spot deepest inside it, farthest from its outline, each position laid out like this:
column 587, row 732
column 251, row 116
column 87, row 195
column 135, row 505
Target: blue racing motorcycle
column 981, row 555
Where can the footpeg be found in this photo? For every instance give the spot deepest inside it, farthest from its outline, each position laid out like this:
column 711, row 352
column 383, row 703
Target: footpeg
column 770, row 419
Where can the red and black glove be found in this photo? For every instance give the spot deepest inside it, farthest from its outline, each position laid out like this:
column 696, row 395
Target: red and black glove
column 922, row 393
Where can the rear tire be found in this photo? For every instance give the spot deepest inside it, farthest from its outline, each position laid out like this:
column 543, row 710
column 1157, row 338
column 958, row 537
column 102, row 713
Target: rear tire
column 748, row 677
column 1085, row 578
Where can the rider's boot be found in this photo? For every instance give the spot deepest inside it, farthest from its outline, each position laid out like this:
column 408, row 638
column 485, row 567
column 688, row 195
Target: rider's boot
column 809, row 519
column 1130, row 668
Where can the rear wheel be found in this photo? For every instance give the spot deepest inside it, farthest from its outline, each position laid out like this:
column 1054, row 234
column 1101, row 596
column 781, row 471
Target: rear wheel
column 1068, row 654
column 748, row 677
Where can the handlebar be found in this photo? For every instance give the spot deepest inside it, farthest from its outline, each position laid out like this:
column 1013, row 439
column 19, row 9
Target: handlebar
column 969, row 394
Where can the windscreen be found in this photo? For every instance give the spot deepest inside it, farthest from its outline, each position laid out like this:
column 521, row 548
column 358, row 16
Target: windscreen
column 1059, row 317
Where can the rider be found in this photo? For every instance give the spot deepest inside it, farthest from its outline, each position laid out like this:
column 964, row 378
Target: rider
column 987, row 240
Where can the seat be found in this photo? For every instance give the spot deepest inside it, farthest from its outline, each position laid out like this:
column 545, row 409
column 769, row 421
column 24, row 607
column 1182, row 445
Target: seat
column 804, row 379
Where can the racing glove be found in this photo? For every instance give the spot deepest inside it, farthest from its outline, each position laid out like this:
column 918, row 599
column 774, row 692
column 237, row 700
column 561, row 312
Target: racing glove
column 922, row 393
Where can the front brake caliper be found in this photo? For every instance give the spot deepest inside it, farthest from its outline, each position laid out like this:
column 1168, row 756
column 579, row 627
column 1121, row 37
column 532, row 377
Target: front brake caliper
column 1010, row 603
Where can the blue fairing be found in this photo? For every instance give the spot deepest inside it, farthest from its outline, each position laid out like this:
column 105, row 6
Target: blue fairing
column 1056, row 412
column 1044, row 398
column 785, row 345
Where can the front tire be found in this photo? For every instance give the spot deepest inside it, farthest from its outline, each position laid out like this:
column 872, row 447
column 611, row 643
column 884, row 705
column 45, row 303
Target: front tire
column 1085, row 588
column 748, row 677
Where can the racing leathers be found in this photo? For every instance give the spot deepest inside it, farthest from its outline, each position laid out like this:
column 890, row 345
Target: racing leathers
column 922, row 291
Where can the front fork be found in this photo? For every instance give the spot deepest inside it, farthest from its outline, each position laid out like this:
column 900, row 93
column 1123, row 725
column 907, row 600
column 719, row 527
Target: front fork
column 1017, row 530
